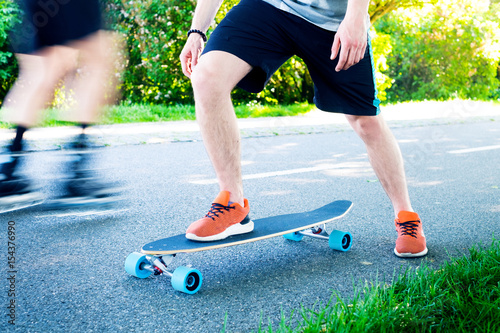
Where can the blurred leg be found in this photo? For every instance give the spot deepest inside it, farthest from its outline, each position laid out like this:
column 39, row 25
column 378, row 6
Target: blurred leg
column 95, row 81
column 38, row 75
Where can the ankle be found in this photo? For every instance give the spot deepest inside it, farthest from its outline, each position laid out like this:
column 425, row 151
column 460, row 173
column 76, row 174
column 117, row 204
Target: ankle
column 239, row 201
column 402, row 209
column 236, row 197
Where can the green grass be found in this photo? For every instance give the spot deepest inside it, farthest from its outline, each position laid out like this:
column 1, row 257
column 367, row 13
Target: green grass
column 462, row 296
column 125, row 114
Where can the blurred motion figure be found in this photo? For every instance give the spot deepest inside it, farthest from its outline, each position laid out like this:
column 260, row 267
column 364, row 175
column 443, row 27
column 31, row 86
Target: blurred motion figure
column 55, row 38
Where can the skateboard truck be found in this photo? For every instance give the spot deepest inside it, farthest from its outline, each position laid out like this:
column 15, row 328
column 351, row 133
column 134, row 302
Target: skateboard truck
column 337, row 240
column 184, row 279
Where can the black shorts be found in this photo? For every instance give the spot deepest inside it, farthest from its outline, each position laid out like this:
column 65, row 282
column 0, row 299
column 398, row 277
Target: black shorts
column 265, row 37
column 54, row 22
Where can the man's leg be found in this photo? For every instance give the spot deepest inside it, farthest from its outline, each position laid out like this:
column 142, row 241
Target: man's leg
column 385, row 157
column 213, row 79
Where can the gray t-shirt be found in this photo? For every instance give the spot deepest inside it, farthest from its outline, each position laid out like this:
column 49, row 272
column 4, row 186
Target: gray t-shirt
column 326, row 14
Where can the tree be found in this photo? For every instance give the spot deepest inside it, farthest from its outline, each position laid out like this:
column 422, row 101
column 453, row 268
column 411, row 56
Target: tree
column 448, row 50
column 380, row 8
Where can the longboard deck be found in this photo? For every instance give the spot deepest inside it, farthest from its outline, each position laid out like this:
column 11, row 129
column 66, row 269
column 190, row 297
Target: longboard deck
column 263, row 228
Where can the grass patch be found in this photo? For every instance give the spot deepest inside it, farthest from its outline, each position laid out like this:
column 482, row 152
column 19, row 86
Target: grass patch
column 126, row 114
column 122, row 114
column 462, row 296
column 256, row 111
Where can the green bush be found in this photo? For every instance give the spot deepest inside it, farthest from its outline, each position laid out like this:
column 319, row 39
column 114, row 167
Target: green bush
column 8, row 64
column 382, row 47
column 450, row 50
column 436, row 52
column 155, row 33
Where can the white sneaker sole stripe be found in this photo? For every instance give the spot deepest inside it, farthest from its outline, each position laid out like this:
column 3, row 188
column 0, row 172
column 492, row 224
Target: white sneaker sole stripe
column 235, row 229
column 410, row 255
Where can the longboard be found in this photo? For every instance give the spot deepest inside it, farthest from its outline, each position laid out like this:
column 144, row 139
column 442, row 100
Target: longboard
column 157, row 255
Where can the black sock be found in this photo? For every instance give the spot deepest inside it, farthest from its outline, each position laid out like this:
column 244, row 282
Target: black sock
column 80, row 159
column 82, row 139
column 17, row 143
column 8, row 168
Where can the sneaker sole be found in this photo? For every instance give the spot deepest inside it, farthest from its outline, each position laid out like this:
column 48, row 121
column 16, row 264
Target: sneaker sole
column 411, row 255
column 236, row 229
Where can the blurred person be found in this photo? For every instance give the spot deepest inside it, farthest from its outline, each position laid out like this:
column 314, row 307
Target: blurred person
column 57, row 38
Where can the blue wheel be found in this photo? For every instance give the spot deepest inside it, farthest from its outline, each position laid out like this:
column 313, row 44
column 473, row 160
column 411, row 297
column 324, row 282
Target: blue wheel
column 134, row 265
column 294, row 236
column 340, row 240
column 187, row 280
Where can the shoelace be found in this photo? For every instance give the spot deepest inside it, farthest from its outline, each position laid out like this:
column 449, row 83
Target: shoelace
column 217, row 209
column 409, row 228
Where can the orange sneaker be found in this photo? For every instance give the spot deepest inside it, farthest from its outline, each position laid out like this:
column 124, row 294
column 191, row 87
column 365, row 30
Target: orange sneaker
column 411, row 238
column 223, row 220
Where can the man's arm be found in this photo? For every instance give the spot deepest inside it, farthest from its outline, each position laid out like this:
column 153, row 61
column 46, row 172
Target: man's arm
column 204, row 14
column 351, row 38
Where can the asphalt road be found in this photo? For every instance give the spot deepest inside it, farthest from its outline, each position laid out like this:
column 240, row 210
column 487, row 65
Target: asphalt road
column 69, row 273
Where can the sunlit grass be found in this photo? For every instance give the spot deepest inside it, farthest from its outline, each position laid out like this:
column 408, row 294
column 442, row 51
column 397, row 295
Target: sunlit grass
column 126, row 114
column 462, row 296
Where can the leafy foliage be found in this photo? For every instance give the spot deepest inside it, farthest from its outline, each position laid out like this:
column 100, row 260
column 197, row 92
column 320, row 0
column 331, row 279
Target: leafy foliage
column 382, row 47
column 155, row 32
column 8, row 65
column 448, row 50
column 380, row 8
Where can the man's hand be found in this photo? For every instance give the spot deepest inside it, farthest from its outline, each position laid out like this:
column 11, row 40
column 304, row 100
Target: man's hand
column 191, row 53
column 351, row 39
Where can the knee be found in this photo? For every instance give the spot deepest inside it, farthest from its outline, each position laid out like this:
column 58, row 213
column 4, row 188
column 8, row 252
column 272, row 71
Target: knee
column 367, row 127
column 39, row 72
column 205, row 81
column 58, row 62
column 97, row 51
column 210, row 82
